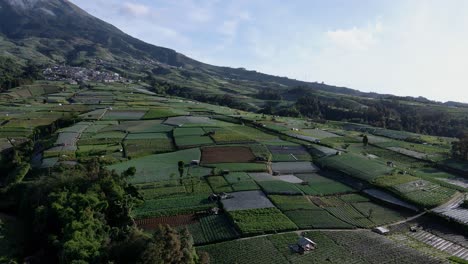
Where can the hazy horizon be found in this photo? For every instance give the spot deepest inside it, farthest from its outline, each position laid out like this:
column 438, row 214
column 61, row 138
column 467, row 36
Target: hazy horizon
column 415, row 48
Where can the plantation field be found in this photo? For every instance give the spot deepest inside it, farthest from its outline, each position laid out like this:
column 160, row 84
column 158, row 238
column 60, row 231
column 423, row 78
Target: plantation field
column 424, row 193
column 180, row 121
column 246, row 200
column 316, row 219
column 98, row 150
column 356, row 166
column 350, row 215
column 219, row 184
column 255, row 250
column 190, row 131
column 236, row 167
column 212, row 228
column 334, row 247
column 173, row 206
column 288, row 203
column 377, row 214
column 241, row 181
column 156, row 113
column 148, row 126
column 279, row 187
column 293, row 167
column 371, row 245
column 260, row 221
column 420, row 192
column 227, row 155
column 174, row 221
column 123, row 114
column 111, row 137
column 289, row 153
column 158, row 167
column 318, row 133
column 192, row 141
column 319, row 185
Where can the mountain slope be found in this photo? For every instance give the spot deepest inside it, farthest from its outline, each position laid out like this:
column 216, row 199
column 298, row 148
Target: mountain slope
column 57, row 31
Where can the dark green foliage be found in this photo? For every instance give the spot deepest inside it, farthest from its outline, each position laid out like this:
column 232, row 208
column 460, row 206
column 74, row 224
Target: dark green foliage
column 73, row 215
column 460, row 148
column 169, row 246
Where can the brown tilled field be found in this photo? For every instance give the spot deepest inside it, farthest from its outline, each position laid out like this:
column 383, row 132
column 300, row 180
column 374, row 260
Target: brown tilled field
column 226, row 154
column 178, row 220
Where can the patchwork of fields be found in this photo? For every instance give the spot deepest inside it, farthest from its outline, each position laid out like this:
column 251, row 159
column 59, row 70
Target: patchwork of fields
column 228, row 177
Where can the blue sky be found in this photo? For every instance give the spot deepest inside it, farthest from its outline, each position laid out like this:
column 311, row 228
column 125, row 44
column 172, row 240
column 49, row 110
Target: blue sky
column 410, row 47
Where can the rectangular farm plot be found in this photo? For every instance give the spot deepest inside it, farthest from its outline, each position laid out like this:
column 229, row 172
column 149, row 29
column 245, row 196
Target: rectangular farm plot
column 289, row 153
column 219, row 184
column 158, row 167
column 279, row 187
column 180, row 121
column 356, row 166
column 212, row 228
column 255, row 250
column 241, row 181
column 174, row 221
column 261, row 221
column 232, row 154
column 98, row 150
column 147, row 126
column 316, row 218
column 319, row 133
column 377, row 214
column 123, row 114
column 247, row 200
column 237, row 167
column 424, row 193
column 112, row 137
column 315, row 184
column 173, row 206
column 156, row 113
column 293, row 167
column 190, row 137
column 289, row 202
column 141, row 147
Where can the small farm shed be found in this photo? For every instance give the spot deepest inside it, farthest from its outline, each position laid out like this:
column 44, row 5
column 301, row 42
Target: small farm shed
column 303, row 245
column 306, row 244
column 381, row 230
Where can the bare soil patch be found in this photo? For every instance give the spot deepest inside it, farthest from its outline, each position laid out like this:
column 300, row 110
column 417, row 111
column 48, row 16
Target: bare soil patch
column 227, row 155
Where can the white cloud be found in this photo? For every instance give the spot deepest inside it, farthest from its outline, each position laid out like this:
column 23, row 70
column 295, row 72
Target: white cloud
column 134, row 9
column 229, row 27
column 355, row 38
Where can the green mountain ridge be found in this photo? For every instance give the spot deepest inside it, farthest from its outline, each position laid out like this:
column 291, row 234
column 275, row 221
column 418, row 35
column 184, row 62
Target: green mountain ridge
column 57, row 31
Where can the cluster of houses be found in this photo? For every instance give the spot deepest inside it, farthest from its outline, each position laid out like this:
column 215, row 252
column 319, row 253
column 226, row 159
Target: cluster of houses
column 74, row 75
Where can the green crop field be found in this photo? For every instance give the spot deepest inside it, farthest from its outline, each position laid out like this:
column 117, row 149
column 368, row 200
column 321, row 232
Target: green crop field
column 212, row 228
column 260, row 221
column 241, row 181
column 156, row 113
column 378, row 214
column 316, row 218
column 173, row 206
column 237, row 167
column 279, row 187
column 256, row 250
column 158, row 167
column 319, row 185
column 350, row 215
column 288, row 202
column 192, row 141
column 219, row 184
column 356, row 166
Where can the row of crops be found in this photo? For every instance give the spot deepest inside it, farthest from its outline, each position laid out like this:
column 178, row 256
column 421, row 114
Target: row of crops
column 333, row 247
